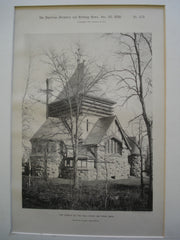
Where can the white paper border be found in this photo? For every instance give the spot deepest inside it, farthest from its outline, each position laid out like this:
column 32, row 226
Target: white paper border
column 172, row 230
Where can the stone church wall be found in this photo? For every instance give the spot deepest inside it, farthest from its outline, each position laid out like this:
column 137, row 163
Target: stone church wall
column 87, row 174
column 38, row 166
column 37, row 159
column 107, row 165
column 135, row 163
column 112, row 166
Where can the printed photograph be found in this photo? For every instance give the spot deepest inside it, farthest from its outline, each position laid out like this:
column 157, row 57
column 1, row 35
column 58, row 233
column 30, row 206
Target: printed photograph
column 87, row 122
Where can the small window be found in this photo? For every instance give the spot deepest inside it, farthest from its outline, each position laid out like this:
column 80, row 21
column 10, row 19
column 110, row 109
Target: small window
column 113, row 146
column 68, row 163
column 112, row 143
column 82, row 163
column 108, row 146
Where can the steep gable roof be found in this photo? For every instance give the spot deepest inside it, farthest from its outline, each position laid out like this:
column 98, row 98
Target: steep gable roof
column 133, row 143
column 52, row 129
column 124, row 135
column 100, row 128
column 75, row 84
column 82, row 83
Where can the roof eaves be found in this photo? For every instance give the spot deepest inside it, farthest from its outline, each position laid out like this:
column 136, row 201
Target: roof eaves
column 123, row 133
column 99, row 140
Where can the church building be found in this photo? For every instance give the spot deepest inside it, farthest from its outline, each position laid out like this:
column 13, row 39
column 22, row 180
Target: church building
column 104, row 149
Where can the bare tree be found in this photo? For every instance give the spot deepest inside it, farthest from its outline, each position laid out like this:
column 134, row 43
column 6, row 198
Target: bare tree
column 26, row 123
column 135, row 49
column 139, row 141
column 86, row 78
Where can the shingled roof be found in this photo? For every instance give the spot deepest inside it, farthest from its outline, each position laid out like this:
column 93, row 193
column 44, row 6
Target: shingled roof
column 52, row 129
column 133, row 143
column 99, row 130
column 81, row 82
column 75, row 84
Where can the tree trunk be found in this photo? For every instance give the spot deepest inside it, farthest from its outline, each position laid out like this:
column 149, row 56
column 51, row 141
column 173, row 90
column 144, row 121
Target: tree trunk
column 106, row 184
column 142, row 180
column 150, row 200
column 149, row 133
column 146, row 120
column 150, row 143
column 29, row 173
column 45, row 162
column 76, row 177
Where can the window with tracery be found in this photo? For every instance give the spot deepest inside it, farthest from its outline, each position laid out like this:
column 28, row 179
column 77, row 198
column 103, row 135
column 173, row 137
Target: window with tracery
column 113, row 146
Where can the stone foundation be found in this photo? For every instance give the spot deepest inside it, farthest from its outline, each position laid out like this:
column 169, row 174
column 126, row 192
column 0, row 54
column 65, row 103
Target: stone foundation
column 112, row 166
column 83, row 174
column 87, row 174
column 107, row 166
column 38, row 167
column 67, row 173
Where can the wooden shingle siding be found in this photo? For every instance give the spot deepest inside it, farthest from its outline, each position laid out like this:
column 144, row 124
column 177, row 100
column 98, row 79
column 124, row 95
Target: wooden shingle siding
column 89, row 105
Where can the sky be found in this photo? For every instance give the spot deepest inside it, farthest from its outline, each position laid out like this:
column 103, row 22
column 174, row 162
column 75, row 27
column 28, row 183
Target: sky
column 101, row 49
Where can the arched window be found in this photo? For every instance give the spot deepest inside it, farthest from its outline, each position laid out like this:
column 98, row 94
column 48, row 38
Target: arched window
column 113, row 146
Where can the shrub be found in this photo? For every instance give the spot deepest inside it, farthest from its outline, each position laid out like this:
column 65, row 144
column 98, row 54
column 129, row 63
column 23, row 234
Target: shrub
column 59, row 194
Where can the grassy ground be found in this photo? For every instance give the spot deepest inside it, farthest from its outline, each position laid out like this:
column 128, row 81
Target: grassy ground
column 124, row 195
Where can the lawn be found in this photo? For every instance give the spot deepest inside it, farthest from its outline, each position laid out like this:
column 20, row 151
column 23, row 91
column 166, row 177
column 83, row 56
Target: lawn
column 114, row 195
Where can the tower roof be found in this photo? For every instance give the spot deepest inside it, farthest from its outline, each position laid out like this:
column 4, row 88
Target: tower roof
column 75, row 85
column 81, row 91
column 82, row 83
